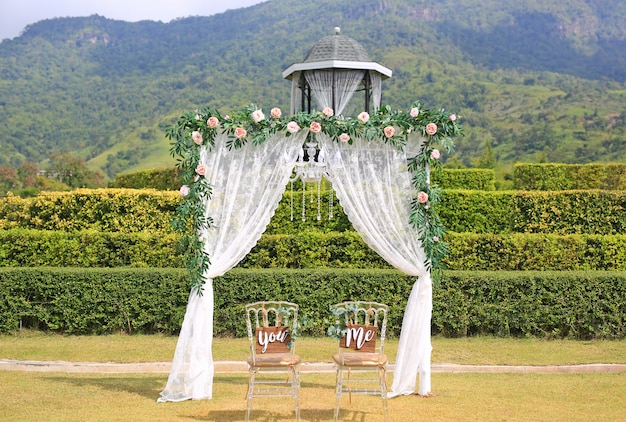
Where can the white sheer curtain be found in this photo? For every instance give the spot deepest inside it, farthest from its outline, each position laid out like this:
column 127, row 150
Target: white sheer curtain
column 345, row 83
column 248, row 184
column 373, row 186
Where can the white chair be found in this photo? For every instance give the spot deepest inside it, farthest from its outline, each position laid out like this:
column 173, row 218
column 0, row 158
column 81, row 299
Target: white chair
column 362, row 327
column 272, row 352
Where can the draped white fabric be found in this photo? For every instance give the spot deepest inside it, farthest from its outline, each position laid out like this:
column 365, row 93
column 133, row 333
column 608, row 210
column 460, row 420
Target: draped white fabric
column 248, row 184
column 345, row 83
column 373, row 185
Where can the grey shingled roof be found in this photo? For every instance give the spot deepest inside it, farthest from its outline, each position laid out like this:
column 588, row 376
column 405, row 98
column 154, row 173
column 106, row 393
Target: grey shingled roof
column 337, row 47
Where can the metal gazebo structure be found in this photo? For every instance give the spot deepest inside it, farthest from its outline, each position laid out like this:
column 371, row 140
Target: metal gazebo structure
column 334, row 69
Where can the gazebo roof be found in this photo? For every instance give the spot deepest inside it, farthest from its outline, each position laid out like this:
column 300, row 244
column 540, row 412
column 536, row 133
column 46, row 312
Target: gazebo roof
column 337, row 52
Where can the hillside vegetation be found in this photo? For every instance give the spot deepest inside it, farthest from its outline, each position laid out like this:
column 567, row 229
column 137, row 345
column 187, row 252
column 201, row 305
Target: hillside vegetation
column 531, row 80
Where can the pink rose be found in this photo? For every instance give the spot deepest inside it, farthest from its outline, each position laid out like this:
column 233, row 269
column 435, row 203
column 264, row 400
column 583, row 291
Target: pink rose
column 435, row 238
column 431, row 128
column 414, row 112
column 328, row 112
column 315, row 127
column 435, row 154
column 201, row 170
column 363, row 117
column 257, row 116
column 213, row 122
column 293, row 127
column 422, row 197
column 452, row 117
column 276, row 113
column 197, row 137
column 389, row 131
column 240, row 133
column 184, row 190
column 344, row 137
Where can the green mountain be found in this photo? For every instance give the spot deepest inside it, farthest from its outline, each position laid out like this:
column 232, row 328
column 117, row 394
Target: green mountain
column 532, row 80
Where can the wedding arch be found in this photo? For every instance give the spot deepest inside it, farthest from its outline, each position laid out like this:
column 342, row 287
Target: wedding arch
column 236, row 167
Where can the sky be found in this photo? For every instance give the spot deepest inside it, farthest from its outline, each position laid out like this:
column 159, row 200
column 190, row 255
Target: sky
column 15, row 15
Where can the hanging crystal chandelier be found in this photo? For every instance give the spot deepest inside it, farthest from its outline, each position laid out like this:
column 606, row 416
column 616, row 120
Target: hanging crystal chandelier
column 310, row 168
column 311, row 164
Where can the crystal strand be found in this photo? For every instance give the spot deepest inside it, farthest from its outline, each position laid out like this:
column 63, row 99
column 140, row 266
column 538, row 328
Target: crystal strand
column 303, row 201
column 319, row 202
column 291, row 201
column 331, row 194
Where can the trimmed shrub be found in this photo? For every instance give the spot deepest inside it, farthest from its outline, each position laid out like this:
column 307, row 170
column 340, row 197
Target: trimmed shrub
column 577, row 305
column 469, row 179
column 159, row 179
column 558, row 176
column 569, row 212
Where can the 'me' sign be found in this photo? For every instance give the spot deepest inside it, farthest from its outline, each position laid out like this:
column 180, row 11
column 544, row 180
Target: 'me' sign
column 360, row 337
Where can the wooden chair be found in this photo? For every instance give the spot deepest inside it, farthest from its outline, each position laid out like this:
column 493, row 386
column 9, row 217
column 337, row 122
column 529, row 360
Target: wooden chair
column 362, row 326
column 272, row 352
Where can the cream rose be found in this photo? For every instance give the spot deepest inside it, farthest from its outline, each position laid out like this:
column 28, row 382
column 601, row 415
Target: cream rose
column 257, row 116
column 293, row 127
column 276, row 112
column 315, row 127
column 240, row 133
column 213, row 122
column 431, row 128
column 363, row 117
column 201, row 170
column 197, row 137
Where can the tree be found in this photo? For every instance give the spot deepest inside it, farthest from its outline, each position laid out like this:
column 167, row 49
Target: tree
column 8, row 179
column 73, row 171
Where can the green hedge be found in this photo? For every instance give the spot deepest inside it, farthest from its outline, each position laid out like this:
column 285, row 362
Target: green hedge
column 130, row 211
column 551, row 176
column 578, row 305
column 169, row 179
column 159, row 179
column 471, row 179
column 569, row 212
column 310, row 249
column 106, row 210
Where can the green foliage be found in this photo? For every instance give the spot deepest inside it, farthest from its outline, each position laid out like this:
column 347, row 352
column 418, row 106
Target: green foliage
column 568, row 212
column 550, row 176
column 537, row 252
column 88, row 248
column 312, row 249
column 159, row 179
column 577, row 305
column 476, row 211
column 469, row 179
column 106, row 210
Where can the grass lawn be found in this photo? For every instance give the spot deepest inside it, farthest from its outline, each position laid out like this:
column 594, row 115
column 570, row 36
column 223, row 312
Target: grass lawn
column 35, row 396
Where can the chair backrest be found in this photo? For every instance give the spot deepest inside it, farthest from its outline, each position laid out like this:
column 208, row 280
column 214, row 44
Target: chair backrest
column 365, row 325
column 270, row 325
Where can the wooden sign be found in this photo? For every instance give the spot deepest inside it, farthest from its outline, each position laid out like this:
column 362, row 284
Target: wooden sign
column 360, row 337
column 272, row 339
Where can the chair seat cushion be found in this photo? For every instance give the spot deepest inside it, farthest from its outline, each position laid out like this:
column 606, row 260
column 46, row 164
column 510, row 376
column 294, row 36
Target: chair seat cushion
column 360, row 359
column 274, row 360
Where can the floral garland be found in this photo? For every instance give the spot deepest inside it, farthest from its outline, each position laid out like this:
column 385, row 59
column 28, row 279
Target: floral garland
column 250, row 124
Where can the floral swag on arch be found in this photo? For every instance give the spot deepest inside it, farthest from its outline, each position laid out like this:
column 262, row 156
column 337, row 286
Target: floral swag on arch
column 433, row 128
column 251, row 156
